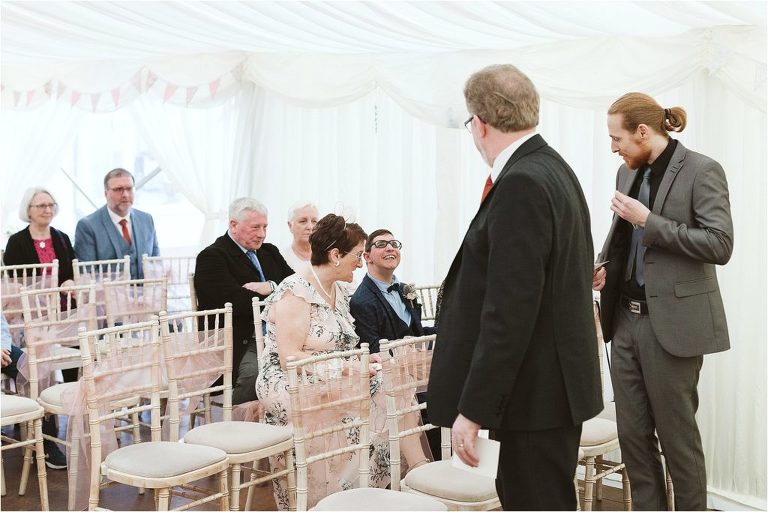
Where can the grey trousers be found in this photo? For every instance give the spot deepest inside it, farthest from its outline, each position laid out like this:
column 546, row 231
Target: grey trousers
column 656, row 395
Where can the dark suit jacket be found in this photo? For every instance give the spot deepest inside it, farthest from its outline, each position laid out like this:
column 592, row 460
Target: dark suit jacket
column 96, row 238
column 516, row 344
column 375, row 319
column 221, row 270
column 20, row 250
column 688, row 232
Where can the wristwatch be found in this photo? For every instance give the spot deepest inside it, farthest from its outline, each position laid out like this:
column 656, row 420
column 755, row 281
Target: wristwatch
column 273, row 285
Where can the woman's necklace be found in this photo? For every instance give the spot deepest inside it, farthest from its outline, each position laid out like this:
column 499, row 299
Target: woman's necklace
column 332, row 299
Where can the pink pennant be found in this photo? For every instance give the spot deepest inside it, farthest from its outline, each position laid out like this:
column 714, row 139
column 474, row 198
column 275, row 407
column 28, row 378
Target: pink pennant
column 95, row 100
column 213, row 87
column 74, row 98
column 136, row 81
column 16, row 97
column 48, row 87
column 191, row 91
column 151, row 79
column 30, row 95
column 115, row 96
column 169, row 90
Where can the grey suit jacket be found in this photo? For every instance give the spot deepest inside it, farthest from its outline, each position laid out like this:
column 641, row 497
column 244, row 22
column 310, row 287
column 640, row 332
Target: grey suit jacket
column 688, row 232
column 96, row 238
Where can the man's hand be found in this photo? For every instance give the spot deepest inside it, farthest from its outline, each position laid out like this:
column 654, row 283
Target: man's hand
column 263, row 288
column 631, row 210
column 463, row 437
column 6, row 358
column 598, row 279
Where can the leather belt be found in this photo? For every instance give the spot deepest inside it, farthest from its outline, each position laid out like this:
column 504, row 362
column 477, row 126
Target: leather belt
column 638, row 307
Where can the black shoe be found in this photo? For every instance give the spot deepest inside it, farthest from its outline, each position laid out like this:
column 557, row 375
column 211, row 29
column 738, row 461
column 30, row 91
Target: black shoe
column 54, row 458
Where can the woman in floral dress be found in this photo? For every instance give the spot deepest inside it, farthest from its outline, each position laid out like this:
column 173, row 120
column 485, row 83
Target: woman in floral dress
column 308, row 314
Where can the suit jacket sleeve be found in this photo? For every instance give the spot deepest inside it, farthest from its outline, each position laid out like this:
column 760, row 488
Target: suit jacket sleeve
column 519, row 237
column 366, row 323
column 215, row 283
column 711, row 239
column 155, row 247
column 85, row 241
column 19, row 249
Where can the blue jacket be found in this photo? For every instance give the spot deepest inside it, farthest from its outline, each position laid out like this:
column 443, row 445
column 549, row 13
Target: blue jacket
column 97, row 238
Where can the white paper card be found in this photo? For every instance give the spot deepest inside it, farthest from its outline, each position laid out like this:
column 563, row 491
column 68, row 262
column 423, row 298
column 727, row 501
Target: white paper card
column 488, row 453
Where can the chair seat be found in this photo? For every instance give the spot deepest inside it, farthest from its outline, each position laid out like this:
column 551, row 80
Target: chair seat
column 377, row 499
column 442, row 480
column 13, row 405
column 597, row 431
column 161, row 459
column 51, row 397
column 234, row 437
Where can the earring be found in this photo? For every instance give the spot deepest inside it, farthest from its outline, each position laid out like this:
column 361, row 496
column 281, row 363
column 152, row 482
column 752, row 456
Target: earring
column 337, row 263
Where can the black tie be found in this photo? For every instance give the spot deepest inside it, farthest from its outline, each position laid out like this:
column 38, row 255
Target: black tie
column 395, row 287
column 637, row 249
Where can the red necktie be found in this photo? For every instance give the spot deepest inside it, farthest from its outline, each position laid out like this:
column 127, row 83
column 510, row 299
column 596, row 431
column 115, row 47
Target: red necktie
column 124, row 224
column 486, row 188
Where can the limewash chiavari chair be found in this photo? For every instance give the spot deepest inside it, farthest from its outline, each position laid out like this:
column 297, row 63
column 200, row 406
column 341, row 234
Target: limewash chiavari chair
column 18, row 409
column 13, row 278
column 176, row 269
column 428, row 298
column 134, row 300
column 198, row 349
column 330, row 408
column 406, row 364
column 99, row 271
column 126, row 363
column 192, row 291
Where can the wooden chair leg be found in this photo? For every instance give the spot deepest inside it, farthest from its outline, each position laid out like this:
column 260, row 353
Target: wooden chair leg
column 207, row 408
column 224, row 502
column 251, row 489
column 74, row 455
column 289, row 463
column 235, row 486
column 26, row 433
column 42, row 477
column 163, row 499
column 576, row 488
column 589, row 482
column 670, row 489
column 599, row 467
column 2, row 477
column 626, row 490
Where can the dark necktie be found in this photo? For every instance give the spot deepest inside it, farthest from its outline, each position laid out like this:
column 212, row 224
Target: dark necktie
column 252, row 256
column 486, row 188
column 395, row 287
column 637, row 249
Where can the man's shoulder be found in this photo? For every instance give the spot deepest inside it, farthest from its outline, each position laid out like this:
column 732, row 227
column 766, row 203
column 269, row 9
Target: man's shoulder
column 144, row 216
column 364, row 294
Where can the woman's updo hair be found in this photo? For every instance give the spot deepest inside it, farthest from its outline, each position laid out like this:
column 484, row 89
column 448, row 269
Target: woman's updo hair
column 334, row 231
column 638, row 108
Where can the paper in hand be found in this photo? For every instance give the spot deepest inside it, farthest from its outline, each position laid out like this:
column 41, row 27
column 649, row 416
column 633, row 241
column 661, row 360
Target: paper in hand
column 487, row 453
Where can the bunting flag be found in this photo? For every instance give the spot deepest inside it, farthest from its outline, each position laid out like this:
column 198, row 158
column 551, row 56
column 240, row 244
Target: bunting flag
column 95, row 100
column 151, row 79
column 16, row 97
column 169, row 90
column 30, row 95
column 213, row 87
column 116, row 96
column 74, row 98
column 191, row 91
column 48, row 87
column 136, row 81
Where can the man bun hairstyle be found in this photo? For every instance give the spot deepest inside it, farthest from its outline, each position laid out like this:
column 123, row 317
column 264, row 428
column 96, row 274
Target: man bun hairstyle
column 503, row 97
column 333, row 231
column 638, row 108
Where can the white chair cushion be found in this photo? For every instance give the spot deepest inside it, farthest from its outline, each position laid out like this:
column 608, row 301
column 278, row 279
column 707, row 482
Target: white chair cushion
column 443, row 480
column 377, row 499
column 162, row 459
column 597, row 431
column 12, row 405
column 51, row 398
column 238, row 436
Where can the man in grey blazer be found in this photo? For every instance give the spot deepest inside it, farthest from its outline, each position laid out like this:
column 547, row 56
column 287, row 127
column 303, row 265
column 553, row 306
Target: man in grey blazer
column 117, row 229
column 660, row 300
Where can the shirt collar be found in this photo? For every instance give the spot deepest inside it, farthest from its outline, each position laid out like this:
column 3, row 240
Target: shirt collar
column 381, row 284
column 659, row 166
column 116, row 218
column 506, row 153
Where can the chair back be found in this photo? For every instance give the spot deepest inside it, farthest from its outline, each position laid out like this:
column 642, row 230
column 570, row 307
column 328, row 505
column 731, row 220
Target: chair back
column 134, row 300
column 427, row 296
column 197, row 347
column 192, row 292
column 101, row 270
column 406, row 364
column 258, row 327
column 330, row 407
column 176, row 270
column 52, row 319
column 13, row 278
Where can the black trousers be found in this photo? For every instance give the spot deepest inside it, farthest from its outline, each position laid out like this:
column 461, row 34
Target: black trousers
column 536, row 468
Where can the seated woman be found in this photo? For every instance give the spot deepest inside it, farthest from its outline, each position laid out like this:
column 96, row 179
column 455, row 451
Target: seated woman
column 302, row 219
column 308, row 314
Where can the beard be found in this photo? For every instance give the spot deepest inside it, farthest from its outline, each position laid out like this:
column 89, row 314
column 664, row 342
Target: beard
column 639, row 159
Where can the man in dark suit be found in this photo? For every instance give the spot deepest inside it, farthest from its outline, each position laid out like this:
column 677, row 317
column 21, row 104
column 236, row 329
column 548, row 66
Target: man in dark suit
column 238, row 266
column 117, row 229
column 660, row 300
column 516, row 346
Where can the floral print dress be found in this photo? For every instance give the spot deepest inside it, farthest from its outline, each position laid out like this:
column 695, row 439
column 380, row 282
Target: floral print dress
column 329, row 330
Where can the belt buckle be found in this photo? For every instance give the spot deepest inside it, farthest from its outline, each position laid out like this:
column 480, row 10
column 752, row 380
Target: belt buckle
column 635, row 307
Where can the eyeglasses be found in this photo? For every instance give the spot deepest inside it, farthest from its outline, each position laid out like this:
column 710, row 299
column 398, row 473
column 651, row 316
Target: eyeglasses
column 381, row 244
column 358, row 256
column 44, row 206
column 467, row 124
column 120, row 190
